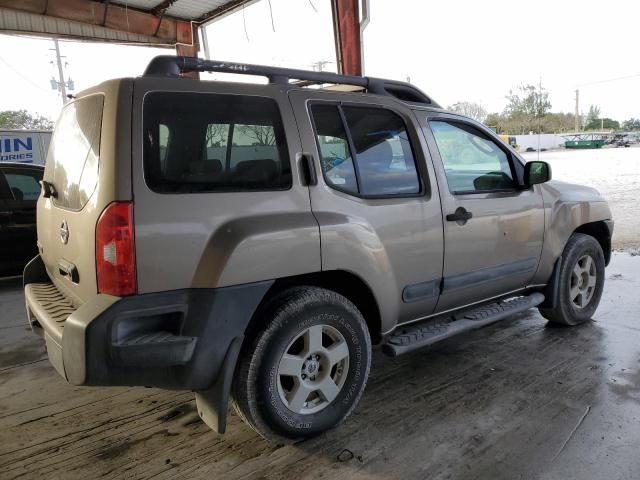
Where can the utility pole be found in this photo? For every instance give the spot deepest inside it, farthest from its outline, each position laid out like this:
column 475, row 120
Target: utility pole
column 319, row 65
column 60, row 84
column 577, row 110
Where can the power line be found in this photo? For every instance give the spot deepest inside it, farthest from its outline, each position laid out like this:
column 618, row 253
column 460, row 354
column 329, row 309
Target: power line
column 609, row 80
column 17, row 72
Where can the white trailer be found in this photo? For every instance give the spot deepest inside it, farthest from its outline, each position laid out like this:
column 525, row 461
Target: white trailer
column 24, row 146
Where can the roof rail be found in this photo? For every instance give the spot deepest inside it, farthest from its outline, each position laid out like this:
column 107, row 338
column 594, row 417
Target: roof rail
column 173, row 66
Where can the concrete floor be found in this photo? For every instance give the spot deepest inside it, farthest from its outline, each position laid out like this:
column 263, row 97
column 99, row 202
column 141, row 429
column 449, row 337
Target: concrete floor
column 614, row 172
column 515, row 400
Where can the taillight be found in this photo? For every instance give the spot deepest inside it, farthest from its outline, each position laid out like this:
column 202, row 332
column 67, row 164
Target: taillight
column 115, row 250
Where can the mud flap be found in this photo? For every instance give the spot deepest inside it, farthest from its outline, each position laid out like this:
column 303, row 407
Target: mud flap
column 212, row 404
column 551, row 290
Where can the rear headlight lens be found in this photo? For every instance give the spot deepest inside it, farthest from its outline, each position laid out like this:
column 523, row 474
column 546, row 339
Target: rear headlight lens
column 115, row 250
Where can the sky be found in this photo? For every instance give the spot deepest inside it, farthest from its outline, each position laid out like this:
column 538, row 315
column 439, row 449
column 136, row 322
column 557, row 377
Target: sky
column 454, row 50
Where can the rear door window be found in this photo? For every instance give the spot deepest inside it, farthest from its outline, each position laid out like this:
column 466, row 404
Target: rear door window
column 214, row 143
column 383, row 153
column 367, row 154
column 333, row 145
column 72, row 163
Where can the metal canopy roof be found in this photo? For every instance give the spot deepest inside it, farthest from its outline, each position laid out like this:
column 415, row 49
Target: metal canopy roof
column 163, row 22
column 194, row 10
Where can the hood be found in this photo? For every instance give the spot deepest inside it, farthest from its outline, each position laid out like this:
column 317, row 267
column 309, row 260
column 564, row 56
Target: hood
column 571, row 192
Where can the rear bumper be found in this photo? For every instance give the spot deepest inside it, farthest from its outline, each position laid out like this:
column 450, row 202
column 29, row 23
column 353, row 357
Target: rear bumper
column 176, row 340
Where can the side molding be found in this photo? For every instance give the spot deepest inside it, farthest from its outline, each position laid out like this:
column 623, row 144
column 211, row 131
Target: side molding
column 421, row 291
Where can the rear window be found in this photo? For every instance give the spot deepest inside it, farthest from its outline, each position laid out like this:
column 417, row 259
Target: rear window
column 72, row 163
column 24, row 184
column 196, row 142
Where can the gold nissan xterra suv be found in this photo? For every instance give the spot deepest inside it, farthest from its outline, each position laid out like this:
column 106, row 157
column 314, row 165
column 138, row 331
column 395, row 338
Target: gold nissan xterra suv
column 252, row 241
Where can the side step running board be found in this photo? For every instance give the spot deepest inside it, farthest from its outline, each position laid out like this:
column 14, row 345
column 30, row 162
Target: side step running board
column 428, row 332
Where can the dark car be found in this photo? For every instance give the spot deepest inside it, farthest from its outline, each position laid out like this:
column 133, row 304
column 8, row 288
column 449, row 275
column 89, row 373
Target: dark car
column 19, row 192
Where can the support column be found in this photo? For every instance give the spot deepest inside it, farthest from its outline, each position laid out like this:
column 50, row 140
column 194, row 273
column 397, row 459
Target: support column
column 189, row 50
column 346, row 30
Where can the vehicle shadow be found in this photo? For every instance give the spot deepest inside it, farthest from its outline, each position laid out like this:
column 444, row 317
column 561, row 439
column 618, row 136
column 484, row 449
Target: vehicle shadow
column 472, row 404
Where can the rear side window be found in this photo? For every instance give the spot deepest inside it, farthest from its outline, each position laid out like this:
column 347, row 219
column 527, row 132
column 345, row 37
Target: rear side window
column 23, row 184
column 372, row 156
column 333, row 145
column 72, row 163
column 383, row 152
column 197, row 142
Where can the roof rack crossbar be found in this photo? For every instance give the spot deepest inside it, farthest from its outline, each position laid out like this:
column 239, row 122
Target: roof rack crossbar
column 172, row 66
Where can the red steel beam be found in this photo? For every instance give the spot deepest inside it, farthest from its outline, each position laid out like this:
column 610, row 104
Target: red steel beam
column 190, row 50
column 165, row 29
column 346, row 30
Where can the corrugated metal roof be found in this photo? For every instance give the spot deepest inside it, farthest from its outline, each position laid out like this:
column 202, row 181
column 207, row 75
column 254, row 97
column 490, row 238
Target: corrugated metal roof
column 140, row 4
column 31, row 23
column 159, row 22
column 186, row 9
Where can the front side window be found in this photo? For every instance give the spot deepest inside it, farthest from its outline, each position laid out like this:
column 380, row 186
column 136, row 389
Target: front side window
column 214, row 143
column 472, row 161
column 372, row 156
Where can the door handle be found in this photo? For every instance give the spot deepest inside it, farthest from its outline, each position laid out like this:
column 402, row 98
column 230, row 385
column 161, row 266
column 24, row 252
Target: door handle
column 48, row 189
column 460, row 216
column 307, row 170
column 68, row 269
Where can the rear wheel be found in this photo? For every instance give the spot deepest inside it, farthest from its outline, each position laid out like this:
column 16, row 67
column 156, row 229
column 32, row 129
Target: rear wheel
column 579, row 283
column 305, row 371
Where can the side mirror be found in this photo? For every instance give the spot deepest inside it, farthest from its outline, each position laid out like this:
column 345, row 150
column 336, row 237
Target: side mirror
column 536, row 172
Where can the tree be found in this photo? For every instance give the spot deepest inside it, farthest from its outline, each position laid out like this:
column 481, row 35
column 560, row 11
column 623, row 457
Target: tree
column 494, row 120
column 526, row 107
column 217, row 134
column 603, row 123
column 529, row 100
column 594, row 114
column 470, row 109
column 23, row 120
column 261, row 134
column 631, row 124
column 558, row 122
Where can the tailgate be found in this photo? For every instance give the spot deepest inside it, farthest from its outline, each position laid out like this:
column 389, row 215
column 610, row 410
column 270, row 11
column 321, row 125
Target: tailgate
column 81, row 170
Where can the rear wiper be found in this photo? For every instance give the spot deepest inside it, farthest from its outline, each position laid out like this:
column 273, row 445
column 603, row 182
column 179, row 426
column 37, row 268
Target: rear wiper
column 48, row 190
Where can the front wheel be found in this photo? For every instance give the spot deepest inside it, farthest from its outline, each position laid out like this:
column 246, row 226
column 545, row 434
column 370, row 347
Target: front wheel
column 579, row 283
column 306, row 369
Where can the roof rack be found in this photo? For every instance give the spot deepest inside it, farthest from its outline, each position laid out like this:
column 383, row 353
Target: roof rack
column 173, row 66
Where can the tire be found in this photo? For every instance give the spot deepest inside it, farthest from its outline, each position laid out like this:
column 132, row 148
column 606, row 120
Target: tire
column 306, row 323
column 577, row 298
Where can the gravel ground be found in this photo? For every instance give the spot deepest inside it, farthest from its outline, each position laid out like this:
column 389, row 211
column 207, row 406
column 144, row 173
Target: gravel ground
column 614, row 172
